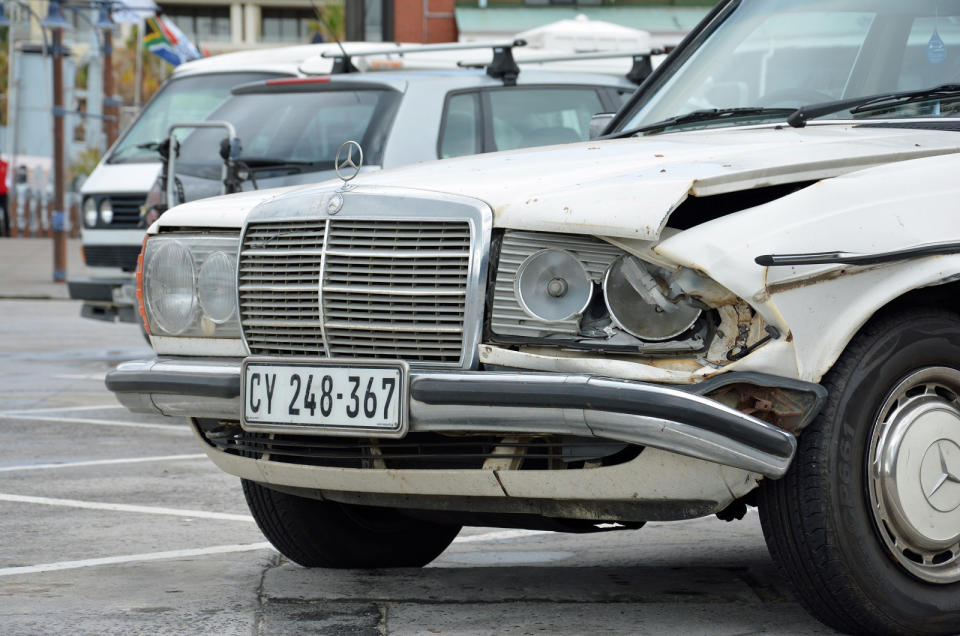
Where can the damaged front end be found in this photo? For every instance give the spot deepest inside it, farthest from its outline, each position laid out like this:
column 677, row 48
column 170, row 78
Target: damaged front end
column 545, row 369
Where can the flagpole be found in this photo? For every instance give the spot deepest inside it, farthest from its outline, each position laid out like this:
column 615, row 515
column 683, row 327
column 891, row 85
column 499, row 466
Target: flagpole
column 139, row 64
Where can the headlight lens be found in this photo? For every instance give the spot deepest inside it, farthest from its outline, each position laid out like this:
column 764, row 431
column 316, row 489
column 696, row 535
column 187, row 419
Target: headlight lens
column 189, row 286
column 639, row 306
column 90, row 212
column 216, row 286
column 552, row 285
column 170, row 294
column 106, row 211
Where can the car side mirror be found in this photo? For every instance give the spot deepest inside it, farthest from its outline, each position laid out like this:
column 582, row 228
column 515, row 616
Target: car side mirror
column 599, row 123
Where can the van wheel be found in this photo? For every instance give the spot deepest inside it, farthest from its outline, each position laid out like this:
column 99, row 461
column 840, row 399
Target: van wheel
column 866, row 523
column 328, row 534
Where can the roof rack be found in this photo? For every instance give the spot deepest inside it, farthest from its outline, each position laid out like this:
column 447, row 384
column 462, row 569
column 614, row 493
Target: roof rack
column 641, row 69
column 502, row 66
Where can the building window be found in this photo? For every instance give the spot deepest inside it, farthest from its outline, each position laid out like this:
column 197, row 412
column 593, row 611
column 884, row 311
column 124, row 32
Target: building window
column 201, row 24
column 286, row 25
column 373, row 20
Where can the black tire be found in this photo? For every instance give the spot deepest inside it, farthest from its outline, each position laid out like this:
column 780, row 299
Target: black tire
column 328, row 534
column 818, row 520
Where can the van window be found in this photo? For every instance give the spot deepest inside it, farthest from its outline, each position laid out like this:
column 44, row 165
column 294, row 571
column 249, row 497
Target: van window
column 182, row 99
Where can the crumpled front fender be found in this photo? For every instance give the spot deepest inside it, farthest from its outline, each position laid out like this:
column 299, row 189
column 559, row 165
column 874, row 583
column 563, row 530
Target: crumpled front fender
column 819, row 308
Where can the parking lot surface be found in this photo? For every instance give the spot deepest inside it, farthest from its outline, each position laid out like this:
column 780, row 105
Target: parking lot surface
column 117, row 523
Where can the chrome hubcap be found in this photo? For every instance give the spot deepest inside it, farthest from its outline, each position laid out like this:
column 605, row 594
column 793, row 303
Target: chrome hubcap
column 914, row 474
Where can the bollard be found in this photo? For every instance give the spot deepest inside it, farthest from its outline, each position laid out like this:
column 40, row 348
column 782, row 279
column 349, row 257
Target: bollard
column 23, row 207
column 33, row 211
column 46, row 195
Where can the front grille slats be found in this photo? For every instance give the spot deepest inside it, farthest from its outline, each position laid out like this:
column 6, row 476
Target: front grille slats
column 278, row 283
column 122, row 256
column 402, row 288
column 126, row 209
column 390, row 289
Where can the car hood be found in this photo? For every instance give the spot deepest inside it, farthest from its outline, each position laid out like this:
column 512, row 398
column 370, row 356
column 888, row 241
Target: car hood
column 121, row 178
column 624, row 188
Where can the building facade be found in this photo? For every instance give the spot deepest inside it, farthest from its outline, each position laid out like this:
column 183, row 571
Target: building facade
column 226, row 25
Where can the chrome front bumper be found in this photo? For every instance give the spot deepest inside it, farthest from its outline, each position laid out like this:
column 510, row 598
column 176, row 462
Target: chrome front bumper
column 679, row 420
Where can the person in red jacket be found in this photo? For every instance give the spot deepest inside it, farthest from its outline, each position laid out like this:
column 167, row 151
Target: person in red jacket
column 4, row 208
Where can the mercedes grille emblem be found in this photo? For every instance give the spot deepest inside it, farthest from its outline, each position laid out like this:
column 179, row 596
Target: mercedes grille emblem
column 348, row 161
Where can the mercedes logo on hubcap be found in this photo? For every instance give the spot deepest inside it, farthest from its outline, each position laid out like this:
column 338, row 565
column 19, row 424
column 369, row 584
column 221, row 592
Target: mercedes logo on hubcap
column 940, row 475
column 348, row 161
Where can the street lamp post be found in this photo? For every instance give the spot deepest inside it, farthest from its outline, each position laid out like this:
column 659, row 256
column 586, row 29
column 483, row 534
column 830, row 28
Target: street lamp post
column 56, row 23
column 110, row 112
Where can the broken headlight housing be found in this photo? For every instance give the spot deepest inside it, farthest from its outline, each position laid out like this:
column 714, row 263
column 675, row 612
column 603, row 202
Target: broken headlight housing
column 188, row 287
column 582, row 293
column 638, row 303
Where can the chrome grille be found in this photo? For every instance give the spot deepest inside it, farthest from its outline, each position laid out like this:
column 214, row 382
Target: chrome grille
column 508, row 317
column 396, row 289
column 391, row 289
column 278, row 282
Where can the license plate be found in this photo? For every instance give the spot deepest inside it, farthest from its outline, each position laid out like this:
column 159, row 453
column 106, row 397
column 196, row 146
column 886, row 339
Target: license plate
column 325, row 398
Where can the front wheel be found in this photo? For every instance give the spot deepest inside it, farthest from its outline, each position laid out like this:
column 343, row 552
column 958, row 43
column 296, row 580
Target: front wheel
column 328, row 534
column 866, row 524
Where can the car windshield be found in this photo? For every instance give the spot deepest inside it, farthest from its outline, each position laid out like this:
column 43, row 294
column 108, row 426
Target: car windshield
column 778, row 54
column 189, row 98
column 281, row 131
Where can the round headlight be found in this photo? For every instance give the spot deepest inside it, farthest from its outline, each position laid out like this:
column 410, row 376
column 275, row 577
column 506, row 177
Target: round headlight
column 216, row 287
column 638, row 306
column 169, row 287
column 552, row 285
column 106, row 212
column 90, row 212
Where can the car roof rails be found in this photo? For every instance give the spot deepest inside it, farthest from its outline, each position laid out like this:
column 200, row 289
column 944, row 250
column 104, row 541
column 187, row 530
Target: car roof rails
column 502, row 66
column 641, row 69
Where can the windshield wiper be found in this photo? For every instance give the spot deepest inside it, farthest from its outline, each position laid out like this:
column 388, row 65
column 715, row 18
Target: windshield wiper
column 800, row 117
column 710, row 114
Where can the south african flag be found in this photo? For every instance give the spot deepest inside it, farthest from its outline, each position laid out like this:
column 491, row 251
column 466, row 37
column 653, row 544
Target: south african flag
column 162, row 37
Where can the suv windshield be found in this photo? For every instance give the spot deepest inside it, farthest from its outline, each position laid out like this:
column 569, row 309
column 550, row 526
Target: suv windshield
column 790, row 53
column 284, row 130
column 189, row 98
